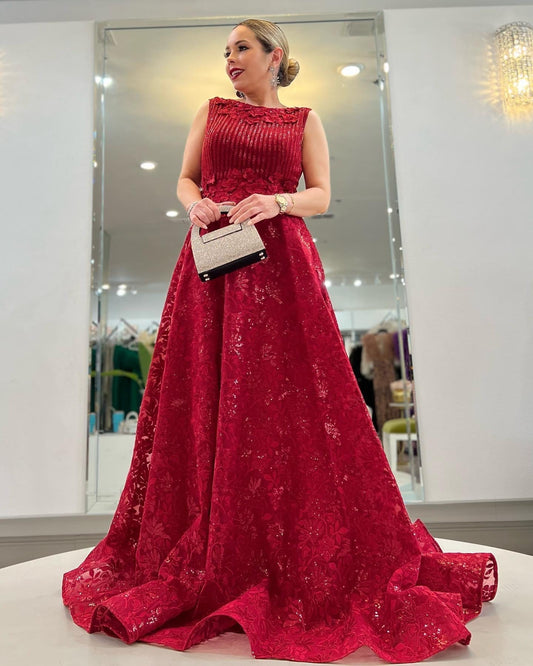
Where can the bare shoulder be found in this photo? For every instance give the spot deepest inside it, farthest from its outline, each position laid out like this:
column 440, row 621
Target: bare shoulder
column 199, row 121
column 313, row 123
column 313, row 130
column 203, row 110
column 313, row 116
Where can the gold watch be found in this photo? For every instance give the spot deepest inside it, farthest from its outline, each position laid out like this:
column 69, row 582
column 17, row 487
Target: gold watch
column 282, row 202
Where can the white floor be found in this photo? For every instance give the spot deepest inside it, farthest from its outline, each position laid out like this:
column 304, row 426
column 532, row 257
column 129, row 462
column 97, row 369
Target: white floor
column 37, row 629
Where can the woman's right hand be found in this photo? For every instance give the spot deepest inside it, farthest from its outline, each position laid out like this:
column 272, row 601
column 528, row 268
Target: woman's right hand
column 206, row 211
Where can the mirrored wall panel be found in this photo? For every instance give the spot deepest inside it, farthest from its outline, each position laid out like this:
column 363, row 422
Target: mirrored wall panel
column 150, row 83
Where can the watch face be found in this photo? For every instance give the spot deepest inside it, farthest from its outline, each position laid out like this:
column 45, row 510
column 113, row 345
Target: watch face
column 282, row 202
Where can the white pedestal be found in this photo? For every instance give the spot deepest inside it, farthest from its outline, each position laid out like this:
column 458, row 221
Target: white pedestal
column 37, row 628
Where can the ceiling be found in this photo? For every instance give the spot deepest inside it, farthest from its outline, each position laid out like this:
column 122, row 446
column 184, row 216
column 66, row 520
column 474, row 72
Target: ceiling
column 160, row 76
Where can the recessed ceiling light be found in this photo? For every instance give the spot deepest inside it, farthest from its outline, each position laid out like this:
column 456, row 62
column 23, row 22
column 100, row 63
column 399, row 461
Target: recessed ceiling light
column 327, row 284
column 386, row 67
column 353, row 69
column 357, row 283
column 105, row 286
column 172, row 213
column 148, row 165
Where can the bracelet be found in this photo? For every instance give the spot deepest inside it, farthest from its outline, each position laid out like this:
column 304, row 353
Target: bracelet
column 292, row 200
column 191, row 206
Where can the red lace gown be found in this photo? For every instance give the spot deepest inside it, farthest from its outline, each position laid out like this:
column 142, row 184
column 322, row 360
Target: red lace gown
column 259, row 498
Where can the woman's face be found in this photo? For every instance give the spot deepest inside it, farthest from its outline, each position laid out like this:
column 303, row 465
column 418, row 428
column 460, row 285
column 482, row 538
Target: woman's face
column 246, row 61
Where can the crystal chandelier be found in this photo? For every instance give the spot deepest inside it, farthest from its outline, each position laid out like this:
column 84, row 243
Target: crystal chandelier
column 514, row 43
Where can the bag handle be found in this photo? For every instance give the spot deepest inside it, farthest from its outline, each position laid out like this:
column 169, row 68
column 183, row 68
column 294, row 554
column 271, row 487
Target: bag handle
column 225, row 208
column 209, row 236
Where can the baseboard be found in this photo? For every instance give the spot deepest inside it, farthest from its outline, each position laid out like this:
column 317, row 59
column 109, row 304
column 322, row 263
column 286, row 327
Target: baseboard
column 501, row 524
column 517, row 536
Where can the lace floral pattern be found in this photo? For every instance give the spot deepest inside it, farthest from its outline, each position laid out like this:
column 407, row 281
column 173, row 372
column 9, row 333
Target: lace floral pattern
column 250, row 114
column 241, row 183
column 259, row 497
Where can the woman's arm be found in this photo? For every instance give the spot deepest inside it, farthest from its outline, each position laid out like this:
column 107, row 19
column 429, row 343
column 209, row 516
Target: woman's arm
column 315, row 162
column 311, row 201
column 188, row 189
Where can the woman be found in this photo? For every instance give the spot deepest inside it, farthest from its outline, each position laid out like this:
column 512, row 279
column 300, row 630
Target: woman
column 255, row 67
column 259, row 497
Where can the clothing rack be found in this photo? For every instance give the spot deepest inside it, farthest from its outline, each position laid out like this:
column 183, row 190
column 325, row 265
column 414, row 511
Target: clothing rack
column 132, row 329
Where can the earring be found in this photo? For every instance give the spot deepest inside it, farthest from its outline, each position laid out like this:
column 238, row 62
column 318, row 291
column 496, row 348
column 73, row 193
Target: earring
column 275, row 77
column 240, row 94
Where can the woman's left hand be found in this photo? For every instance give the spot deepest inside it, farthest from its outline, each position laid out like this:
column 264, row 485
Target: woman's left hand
column 253, row 209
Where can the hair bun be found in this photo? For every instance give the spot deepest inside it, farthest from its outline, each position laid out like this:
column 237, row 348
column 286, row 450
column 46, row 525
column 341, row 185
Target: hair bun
column 292, row 70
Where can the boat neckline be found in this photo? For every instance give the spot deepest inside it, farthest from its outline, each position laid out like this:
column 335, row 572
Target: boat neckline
column 259, row 106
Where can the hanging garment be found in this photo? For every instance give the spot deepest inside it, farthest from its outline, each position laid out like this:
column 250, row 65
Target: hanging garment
column 366, row 386
column 108, row 354
column 126, row 393
column 379, row 349
column 400, row 339
column 106, row 385
column 259, row 496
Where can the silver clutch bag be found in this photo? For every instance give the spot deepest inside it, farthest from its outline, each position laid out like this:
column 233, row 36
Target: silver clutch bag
column 224, row 250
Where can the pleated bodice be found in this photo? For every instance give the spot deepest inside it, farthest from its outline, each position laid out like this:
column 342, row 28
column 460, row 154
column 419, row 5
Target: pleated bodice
column 251, row 149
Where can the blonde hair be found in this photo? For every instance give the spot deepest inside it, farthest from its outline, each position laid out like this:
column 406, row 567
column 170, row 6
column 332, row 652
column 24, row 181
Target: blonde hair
column 271, row 36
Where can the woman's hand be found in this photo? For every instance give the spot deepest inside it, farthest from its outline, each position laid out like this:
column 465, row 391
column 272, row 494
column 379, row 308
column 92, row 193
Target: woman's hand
column 254, row 208
column 206, row 211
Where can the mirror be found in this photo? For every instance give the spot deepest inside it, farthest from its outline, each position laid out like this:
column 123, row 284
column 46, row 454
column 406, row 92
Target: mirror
column 151, row 82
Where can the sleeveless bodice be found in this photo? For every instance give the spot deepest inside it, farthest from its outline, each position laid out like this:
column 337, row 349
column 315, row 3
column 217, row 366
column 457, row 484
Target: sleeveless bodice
column 251, row 149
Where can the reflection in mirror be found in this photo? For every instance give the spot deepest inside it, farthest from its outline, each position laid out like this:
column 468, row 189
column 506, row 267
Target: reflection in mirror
column 153, row 81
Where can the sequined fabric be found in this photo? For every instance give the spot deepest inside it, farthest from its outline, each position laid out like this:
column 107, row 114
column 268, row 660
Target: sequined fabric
column 259, row 497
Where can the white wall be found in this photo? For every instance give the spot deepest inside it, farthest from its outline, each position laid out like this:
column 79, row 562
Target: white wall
column 464, row 180
column 457, row 159
column 45, row 221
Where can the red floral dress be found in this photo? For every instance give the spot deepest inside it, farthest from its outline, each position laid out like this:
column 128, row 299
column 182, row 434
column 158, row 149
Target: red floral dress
column 259, row 498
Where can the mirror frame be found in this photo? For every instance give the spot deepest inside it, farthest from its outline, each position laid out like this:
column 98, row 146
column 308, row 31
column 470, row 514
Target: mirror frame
column 97, row 261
